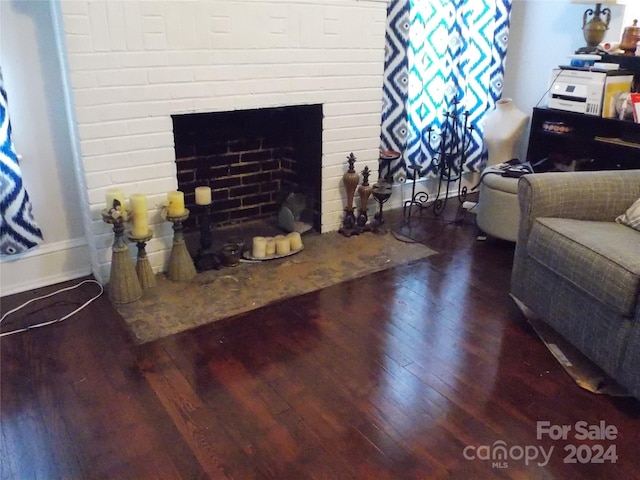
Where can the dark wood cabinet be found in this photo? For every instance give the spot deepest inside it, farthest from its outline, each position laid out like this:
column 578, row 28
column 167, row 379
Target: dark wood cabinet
column 582, row 142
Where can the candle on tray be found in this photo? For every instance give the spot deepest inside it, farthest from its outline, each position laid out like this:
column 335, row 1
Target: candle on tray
column 140, row 218
column 295, row 241
column 115, row 202
column 282, row 245
column 203, row 195
column 259, row 249
column 175, row 205
column 271, row 246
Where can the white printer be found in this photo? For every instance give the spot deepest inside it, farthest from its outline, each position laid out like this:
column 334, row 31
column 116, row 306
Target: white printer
column 592, row 92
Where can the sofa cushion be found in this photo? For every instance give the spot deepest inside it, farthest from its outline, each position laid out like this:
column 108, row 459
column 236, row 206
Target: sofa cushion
column 600, row 258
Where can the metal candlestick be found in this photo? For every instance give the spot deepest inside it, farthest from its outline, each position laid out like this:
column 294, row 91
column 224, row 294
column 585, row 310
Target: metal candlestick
column 419, row 199
column 124, row 286
column 385, row 159
column 181, row 266
column 146, row 277
column 206, row 259
column 206, row 237
column 381, row 192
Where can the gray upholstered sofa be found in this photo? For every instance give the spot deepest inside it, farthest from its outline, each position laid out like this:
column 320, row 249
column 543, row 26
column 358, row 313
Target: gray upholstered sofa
column 578, row 270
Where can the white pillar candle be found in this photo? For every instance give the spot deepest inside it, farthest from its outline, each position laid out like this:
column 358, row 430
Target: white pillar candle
column 140, row 218
column 282, row 245
column 259, row 249
column 295, row 241
column 175, row 203
column 271, row 246
column 203, row 195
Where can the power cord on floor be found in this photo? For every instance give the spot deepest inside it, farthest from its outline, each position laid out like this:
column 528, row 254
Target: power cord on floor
column 402, row 238
column 43, row 324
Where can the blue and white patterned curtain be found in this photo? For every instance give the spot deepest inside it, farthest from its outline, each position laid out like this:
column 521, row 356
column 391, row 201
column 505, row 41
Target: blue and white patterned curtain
column 441, row 56
column 18, row 229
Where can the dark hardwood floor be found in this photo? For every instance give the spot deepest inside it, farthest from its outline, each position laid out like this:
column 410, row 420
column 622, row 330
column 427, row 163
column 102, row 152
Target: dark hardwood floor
column 418, row 372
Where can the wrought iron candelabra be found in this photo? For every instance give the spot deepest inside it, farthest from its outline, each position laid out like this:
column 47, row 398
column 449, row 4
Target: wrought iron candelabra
column 449, row 156
column 454, row 142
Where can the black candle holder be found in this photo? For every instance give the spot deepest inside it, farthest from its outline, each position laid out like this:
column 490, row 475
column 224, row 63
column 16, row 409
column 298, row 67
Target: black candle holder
column 381, row 192
column 385, row 160
column 206, row 258
column 418, row 199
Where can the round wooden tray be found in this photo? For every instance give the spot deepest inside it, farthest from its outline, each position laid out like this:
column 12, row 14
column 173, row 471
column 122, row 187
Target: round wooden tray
column 247, row 255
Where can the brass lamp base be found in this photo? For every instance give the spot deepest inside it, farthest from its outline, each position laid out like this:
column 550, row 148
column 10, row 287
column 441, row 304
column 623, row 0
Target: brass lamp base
column 588, row 51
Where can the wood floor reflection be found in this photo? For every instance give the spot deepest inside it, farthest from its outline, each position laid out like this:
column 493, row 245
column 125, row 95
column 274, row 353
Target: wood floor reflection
column 391, row 376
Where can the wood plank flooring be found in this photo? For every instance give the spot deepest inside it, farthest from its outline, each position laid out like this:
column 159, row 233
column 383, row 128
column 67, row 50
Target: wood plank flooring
column 418, row 372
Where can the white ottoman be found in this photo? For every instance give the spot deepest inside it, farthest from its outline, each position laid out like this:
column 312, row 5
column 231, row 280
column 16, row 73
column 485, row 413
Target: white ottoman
column 498, row 213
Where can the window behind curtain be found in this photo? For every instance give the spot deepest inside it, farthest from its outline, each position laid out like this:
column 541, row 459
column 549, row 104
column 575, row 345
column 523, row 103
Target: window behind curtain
column 440, row 52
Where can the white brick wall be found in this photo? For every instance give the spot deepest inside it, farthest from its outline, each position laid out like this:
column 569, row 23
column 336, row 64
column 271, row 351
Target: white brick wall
column 133, row 64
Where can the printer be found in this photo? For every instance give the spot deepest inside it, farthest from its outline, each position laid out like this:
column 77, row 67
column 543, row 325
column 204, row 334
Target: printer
column 588, row 91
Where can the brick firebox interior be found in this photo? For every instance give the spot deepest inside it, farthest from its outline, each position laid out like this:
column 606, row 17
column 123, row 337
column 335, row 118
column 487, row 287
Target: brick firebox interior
column 251, row 159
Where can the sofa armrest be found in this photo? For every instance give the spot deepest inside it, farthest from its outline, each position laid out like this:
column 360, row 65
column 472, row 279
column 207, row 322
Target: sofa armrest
column 598, row 196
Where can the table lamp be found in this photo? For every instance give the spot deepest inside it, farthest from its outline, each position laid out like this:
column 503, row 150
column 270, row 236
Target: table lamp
column 595, row 24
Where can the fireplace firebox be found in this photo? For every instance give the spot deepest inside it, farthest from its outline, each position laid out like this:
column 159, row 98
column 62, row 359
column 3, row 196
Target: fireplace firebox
column 251, row 159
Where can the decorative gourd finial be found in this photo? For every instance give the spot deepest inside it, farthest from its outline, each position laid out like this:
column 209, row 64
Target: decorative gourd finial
column 365, row 176
column 351, row 159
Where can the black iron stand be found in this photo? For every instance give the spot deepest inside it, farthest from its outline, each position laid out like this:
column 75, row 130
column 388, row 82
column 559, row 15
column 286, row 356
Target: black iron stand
column 206, row 258
column 381, row 192
column 450, row 155
column 419, row 199
column 385, row 159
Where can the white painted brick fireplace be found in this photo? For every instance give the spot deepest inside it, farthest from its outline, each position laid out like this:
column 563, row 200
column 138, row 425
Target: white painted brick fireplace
column 132, row 64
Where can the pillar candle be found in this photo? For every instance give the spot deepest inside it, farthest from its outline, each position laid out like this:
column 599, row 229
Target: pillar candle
column 282, row 245
column 203, row 195
column 295, row 241
column 115, row 194
column 175, row 206
column 271, row 246
column 259, row 247
column 140, row 217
